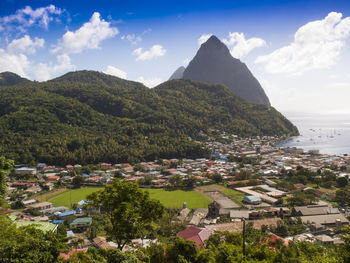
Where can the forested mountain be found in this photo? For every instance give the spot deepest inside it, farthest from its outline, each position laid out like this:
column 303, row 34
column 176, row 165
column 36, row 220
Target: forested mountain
column 214, row 64
column 9, row 79
column 87, row 117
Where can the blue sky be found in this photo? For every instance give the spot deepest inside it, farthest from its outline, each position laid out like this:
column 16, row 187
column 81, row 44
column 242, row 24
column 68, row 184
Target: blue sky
column 298, row 50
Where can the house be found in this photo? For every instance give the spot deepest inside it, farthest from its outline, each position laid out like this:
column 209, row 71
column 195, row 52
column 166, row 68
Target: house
column 195, row 234
column 311, row 211
column 239, row 214
column 252, row 199
column 25, row 170
column 33, row 189
column 323, row 221
column 29, row 202
column 81, row 223
column 324, row 239
column 41, row 206
column 102, row 243
column 67, row 215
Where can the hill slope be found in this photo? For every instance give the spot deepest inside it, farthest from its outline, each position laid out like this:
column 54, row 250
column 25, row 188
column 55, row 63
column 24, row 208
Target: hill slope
column 214, row 64
column 9, row 79
column 88, row 117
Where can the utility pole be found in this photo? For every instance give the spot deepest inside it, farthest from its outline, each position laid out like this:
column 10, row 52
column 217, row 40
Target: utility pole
column 243, row 220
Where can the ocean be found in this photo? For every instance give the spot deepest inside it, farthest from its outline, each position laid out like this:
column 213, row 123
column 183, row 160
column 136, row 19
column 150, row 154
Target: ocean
column 330, row 133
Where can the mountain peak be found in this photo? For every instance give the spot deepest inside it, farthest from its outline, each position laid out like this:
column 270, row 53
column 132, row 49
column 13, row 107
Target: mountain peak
column 214, row 64
column 213, row 46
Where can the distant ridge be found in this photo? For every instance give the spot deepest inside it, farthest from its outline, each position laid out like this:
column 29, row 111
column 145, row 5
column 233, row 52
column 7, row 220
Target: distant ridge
column 214, row 64
column 178, row 73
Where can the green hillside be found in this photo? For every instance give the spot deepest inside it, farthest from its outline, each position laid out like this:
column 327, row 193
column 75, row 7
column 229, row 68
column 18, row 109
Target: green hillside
column 88, row 117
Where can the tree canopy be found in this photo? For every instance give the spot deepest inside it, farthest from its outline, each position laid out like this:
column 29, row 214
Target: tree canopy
column 88, row 117
column 130, row 210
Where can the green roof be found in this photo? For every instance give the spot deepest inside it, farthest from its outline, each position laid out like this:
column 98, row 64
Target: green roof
column 81, row 221
column 44, row 226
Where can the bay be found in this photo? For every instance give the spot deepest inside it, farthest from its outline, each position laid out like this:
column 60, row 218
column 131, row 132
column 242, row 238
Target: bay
column 328, row 133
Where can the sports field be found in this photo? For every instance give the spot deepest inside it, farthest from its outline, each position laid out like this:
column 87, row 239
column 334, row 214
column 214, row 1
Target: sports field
column 63, row 199
column 175, row 198
column 172, row 199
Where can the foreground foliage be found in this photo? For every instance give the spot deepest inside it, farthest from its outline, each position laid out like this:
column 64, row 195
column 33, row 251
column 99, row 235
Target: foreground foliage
column 130, row 210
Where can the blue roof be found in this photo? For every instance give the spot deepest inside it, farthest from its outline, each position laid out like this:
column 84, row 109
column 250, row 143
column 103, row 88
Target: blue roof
column 252, row 198
column 57, row 221
column 85, row 175
column 67, row 213
column 223, row 159
column 215, row 155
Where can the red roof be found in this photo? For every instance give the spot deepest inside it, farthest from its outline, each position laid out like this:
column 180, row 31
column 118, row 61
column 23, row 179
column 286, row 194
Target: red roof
column 67, row 255
column 195, row 234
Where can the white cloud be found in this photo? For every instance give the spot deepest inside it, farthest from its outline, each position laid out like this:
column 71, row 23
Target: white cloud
column 16, row 63
column 20, row 64
column 88, row 36
column 27, row 17
column 115, row 72
column 241, row 46
column 43, row 71
column 203, row 38
column 132, row 38
column 25, row 44
column 152, row 82
column 316, row 45
column 153, row 52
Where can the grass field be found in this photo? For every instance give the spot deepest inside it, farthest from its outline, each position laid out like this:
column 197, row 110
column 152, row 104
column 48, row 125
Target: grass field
column 175, row 199
column 172, row 199
column 234, row 195
column 63, row 199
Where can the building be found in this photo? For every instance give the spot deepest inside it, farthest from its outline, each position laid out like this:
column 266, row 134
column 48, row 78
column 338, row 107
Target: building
column 81, row 223
column 41, row 206
column 312, row 211
column 252, row 199
column 195, row 234
column 26, row 170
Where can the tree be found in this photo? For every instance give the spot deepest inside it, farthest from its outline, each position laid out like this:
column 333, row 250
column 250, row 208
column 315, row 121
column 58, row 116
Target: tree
column 5, row 166
column 78, row 180
column 176, row 181
column 130, row 210
column 342, row 181
column 217, row 178
column 27, row 244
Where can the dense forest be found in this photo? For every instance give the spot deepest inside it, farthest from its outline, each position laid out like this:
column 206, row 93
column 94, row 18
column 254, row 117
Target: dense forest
column 88, row 117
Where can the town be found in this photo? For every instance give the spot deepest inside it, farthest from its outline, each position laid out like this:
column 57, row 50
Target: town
column 297, row 195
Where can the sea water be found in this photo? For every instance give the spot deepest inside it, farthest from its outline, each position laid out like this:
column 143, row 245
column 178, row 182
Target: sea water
column 328, row 133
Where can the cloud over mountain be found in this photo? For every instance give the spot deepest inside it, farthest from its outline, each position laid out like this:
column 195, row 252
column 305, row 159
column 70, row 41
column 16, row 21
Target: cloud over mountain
column 240, row 46
column 115, row 72
column 316, row 45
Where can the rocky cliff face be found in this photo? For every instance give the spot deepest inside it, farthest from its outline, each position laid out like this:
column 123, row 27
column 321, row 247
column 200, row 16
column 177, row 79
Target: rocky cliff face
column 214, row 64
